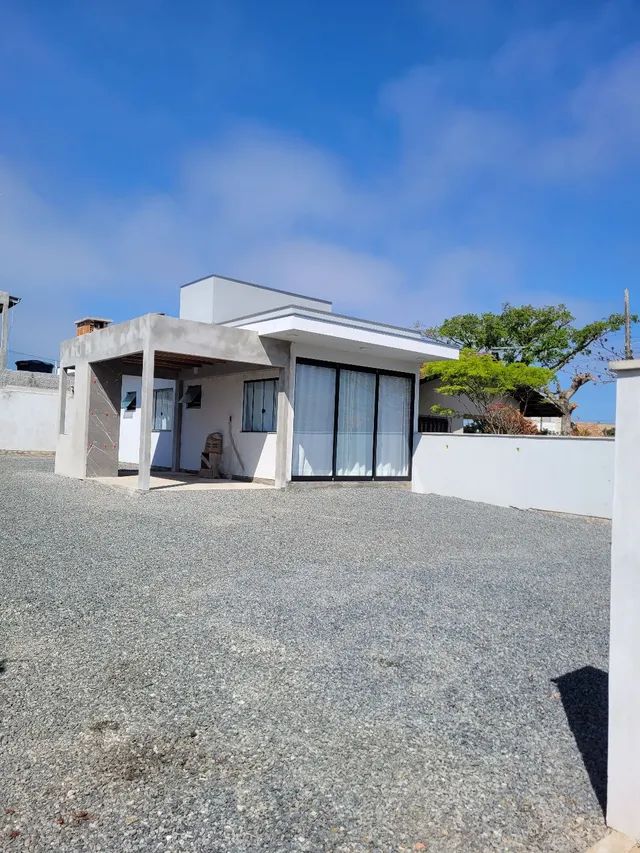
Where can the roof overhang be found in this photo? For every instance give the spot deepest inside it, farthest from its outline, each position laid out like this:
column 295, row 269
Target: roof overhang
column 344, row 333
column 176, row 343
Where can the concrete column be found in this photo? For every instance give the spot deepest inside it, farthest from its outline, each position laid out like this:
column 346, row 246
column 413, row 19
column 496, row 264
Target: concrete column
column 103, row 427
column 176, row 437
column 285, row 427
column 62, row 402
column 146, row 420
column 4, row 339
column 623, row 796
column 72, row 448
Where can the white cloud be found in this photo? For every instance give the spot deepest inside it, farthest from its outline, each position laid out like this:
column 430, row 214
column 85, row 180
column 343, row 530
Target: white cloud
column 274, row 208
column 603, row 114
column 355, row 280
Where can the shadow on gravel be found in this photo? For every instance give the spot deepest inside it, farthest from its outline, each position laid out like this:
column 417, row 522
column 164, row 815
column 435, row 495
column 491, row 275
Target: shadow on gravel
column 585, row 698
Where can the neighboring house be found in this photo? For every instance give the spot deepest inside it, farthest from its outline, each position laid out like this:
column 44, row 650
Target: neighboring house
column 533, row 406
column 297, row 392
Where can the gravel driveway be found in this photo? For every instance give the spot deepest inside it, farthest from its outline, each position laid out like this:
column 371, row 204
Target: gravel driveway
column 344, row 669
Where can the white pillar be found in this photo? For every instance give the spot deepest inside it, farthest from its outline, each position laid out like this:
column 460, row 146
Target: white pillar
column 285, row 428
column 146, row 419
column 623, row 795
column 62, row 402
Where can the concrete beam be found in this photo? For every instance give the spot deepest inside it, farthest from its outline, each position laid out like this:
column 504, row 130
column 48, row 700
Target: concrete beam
column 181, row 337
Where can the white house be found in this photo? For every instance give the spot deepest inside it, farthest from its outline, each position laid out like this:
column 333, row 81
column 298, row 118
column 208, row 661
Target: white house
column 297, row 392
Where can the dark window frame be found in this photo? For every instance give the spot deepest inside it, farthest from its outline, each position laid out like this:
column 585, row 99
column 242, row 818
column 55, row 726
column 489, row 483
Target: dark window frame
column 156, row 394
column 274, row 419
column 426, row 421
column 193, row 401
column 338, row 366
column 130, row 401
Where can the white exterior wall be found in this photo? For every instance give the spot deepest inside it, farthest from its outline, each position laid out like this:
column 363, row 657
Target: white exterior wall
column 221, row 411
column 161, row 442
column 28, row 418
column 573, row 475
column 217, row 300
column 254, row 454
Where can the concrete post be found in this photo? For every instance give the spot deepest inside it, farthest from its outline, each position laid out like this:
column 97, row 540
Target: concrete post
column 146, row 419
column 623, row 795
column 4, row 339
column 176, row 438
column 62, row 402
column 284, row 428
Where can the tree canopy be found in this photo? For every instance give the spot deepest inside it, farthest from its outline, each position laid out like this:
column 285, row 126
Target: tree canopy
column 484, row 380
column 544, row 337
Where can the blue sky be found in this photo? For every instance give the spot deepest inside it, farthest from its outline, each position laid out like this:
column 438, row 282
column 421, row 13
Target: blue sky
column 409, row 160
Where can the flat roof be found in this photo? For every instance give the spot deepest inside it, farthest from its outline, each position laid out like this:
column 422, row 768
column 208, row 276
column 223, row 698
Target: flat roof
column 339, row 319
column 254, row 284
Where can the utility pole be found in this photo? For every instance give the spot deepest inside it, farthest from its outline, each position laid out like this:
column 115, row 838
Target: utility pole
column 5, row 304
column 628, row 354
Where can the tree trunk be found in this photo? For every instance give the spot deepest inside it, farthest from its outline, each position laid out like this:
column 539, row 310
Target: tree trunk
column 565, row 423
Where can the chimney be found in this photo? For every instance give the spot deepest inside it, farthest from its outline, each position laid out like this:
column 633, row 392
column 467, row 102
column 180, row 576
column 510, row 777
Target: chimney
column 90, row 324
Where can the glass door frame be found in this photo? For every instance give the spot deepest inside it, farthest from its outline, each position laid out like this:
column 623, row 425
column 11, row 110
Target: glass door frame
column 338, row 366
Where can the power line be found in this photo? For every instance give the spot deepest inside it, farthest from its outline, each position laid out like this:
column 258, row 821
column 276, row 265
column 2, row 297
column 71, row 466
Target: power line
column 32, row 355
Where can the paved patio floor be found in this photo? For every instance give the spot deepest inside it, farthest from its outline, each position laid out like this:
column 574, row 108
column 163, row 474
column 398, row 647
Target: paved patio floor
column 128, row 479
column 316, row 669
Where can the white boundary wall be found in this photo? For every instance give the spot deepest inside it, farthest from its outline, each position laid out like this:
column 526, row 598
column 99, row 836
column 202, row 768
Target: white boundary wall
column 559, row 474
column 28, row 411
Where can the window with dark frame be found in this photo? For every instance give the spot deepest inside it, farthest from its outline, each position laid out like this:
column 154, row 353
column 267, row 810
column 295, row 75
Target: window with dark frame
column 430, row 423
column 393, row 413
column 129, row 401
column 192, row 397
column 162, row 410
column 260, row 405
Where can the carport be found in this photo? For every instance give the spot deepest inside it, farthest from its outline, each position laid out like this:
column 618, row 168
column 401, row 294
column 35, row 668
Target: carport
column 153, row 345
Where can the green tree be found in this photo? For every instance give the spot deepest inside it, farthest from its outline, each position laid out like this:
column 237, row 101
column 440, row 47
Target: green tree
column 546, row 337
column 485, row 381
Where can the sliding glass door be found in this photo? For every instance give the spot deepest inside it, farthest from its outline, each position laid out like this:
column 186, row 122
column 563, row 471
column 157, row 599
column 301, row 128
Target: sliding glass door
column 393, row 448
column 351, row 423
column 313, row 422
column 356, row 417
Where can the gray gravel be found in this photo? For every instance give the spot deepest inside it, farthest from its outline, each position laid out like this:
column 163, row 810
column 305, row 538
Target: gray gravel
column 341, row 669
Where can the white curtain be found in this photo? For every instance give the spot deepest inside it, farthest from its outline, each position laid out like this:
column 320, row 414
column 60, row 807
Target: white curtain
column 313, row 420
column 356, row 408
column 394, row 415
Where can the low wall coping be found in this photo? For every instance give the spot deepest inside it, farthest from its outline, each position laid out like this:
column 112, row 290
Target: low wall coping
column 448, row 435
